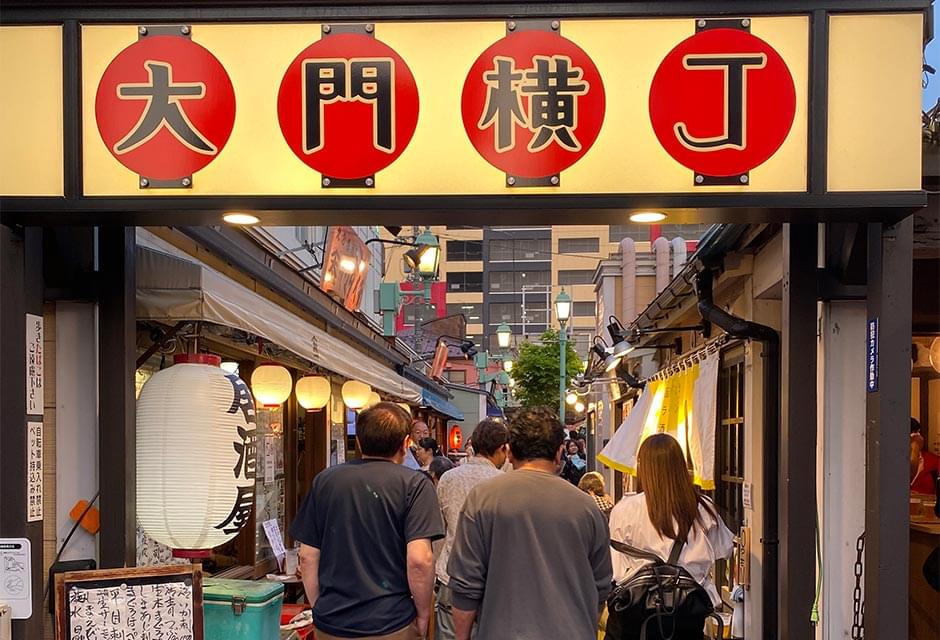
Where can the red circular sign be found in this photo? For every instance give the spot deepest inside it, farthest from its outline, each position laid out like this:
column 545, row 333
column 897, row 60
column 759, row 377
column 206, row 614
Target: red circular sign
column 348, row 106
column 722, row 102
column 165, row 107
column 533, row 104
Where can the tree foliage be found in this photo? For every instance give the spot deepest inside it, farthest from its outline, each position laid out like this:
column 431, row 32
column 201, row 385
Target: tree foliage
column 536, row 370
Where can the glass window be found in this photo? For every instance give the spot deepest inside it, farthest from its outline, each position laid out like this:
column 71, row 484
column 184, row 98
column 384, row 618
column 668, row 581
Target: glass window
column 464, row 281
column 684, row 231
column 456, row 375
column 582, row 342
column 500, row 249
column 417, row 313
column 579, row 245
column 533, row 279
column 464, row 249
column 639, row 233
column 472, row 311
column 508, row 312
column 584, row 309
column 576, row 276
column 502, row 281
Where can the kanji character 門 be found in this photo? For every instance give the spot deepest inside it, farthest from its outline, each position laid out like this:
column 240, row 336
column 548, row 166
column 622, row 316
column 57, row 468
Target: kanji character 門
column 369, row 80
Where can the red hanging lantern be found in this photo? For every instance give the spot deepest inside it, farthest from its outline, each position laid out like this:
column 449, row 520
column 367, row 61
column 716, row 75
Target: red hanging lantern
column 456, row 438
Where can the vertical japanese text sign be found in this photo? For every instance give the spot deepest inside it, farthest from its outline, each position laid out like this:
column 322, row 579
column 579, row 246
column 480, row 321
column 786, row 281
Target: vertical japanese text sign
column 34, row 365
column 246, row 446
column 871, row 357
column 165, row 107
column 348, row 106
column 533, row 105
column 722, row 102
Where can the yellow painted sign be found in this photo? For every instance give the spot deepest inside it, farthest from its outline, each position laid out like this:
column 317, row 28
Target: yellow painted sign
column 613, row 106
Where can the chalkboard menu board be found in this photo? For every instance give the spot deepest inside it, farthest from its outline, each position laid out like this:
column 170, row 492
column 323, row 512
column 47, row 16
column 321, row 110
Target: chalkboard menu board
column 148, row 603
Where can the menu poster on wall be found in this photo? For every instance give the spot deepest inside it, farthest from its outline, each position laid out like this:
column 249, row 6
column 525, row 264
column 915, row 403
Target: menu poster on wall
column 34, row 472
column 34, row 365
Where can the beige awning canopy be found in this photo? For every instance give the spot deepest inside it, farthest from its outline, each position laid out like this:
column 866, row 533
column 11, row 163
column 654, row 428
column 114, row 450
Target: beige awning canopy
column 172, row 288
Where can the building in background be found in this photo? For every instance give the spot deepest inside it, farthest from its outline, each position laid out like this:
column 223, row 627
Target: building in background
column 511, row 274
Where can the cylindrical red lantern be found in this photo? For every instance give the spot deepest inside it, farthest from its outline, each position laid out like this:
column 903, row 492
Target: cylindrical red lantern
column 455, row 439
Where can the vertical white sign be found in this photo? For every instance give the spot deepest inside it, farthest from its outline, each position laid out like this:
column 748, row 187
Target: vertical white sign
column 269, row 464
column 16, row 576
column 34, row 365
column 34, row 472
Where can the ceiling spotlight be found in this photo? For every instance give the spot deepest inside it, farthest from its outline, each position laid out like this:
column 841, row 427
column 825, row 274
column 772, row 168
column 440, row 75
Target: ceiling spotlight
column 241, row 218
column 648, row 217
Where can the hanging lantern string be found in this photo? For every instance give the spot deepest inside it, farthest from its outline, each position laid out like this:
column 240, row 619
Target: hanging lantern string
column 710, row 348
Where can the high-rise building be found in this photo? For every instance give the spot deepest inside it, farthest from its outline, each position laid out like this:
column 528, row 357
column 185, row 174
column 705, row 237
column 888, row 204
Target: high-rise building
column 511, row 274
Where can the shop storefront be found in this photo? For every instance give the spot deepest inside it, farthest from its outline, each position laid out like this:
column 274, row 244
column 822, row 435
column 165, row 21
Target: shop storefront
column 480, row 113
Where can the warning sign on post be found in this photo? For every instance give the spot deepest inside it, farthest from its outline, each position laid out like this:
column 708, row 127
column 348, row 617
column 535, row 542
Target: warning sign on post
column 34, row 472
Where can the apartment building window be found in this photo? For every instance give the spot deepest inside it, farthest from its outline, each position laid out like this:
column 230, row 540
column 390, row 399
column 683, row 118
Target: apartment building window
column 576, row 276
column 581, row 342
column 513, row 281
column 473, row 312
column 535, row 314
column 509, row 312
column 464, row 249
column 456, row 375
column 579, row 245
column 584, row 309
column 520, row 249
column 465, row 281
column 639, row 233
column 684, row 231
column 414, row 314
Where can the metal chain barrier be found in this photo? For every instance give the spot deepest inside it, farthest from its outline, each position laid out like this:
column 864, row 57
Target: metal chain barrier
column 858, row 604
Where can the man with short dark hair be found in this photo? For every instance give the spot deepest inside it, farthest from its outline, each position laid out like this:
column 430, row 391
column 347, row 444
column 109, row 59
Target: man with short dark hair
column 365, row 529
column 419, row 431
column 533, row 535
column 491, row 438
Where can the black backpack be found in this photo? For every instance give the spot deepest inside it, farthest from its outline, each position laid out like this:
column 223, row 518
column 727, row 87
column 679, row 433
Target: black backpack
column 659, row 602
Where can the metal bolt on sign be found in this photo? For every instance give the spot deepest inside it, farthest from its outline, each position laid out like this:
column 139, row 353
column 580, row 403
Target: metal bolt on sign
column 370, row 28
column 511, row 26
column 186, row 182
column 326, row 182
column 185, row 30
column 699, row 179
column 556, row 25
column 746, row 23
column 144, row 182
column 326, row 28
column 510, row 181
column 142, row 30
column 744, row 179
column 370, row 182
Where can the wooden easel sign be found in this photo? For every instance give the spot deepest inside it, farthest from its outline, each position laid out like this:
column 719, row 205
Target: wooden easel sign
column 146, row 603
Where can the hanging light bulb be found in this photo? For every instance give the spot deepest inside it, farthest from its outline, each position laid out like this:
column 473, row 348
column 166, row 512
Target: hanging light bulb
column 571, row 398
column 271, row 384
column 313, row 392
column 579, row 407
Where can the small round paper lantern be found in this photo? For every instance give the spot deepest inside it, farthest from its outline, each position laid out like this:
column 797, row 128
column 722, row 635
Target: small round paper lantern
column 195, row 455
column 271, row 384
column 373, row 400
column 355, row 394
column 455, row 440
column 313, row 392
column 405, row 406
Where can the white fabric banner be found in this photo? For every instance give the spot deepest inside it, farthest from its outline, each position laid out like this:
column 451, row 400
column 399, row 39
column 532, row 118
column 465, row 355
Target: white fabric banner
column 704, row 416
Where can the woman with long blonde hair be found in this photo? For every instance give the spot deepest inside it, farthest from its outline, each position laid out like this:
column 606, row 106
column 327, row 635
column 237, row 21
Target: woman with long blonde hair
column 669, row 510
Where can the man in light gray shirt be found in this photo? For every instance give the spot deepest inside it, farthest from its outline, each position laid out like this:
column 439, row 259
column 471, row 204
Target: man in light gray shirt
column 491, row 449
column 531, row 557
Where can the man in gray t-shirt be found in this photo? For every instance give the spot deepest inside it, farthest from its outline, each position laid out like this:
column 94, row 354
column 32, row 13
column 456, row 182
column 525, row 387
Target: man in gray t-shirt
column 531, row 558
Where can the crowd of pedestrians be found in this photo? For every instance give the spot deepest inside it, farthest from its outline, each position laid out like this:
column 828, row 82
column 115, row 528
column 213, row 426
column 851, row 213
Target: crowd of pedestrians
column 503, row 556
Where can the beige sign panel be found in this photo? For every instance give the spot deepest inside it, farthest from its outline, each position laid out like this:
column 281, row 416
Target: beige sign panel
column 31, row 137
column 440, row 159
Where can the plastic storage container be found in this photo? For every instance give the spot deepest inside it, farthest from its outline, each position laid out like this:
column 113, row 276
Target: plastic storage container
column 241, row 609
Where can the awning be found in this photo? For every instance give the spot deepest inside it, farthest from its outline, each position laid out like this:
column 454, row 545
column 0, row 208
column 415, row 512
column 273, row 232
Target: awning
column 440, row 404
column 171, row 288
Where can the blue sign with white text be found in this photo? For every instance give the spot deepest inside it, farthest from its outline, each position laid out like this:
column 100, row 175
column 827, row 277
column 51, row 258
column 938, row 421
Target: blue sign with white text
column 872, row 356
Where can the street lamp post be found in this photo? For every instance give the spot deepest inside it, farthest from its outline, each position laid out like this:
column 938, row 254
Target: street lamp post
column 563, row 312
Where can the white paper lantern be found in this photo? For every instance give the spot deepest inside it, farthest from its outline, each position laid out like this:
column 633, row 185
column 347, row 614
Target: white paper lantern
column 313, row 392
column 373, row 400
column 271, row 384
column 196, row 455
column 356, row 394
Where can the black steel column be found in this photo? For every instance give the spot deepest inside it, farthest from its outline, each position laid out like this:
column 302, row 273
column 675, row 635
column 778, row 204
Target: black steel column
column 117, row 354
column 21, row 292
column 887, row 442
column 797, row 504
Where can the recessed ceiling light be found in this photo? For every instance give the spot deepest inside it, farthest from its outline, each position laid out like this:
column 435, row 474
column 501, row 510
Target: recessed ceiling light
column 240, row 218
column 647, row 216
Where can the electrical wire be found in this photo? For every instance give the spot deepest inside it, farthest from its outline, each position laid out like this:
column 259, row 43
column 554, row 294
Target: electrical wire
column 814, row 613
column 69, row 537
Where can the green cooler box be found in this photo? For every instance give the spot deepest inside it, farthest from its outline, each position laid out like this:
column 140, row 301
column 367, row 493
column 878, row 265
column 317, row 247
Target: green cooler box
column 241, row 609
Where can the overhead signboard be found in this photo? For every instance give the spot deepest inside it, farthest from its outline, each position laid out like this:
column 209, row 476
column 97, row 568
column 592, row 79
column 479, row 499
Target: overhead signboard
column 693, row 106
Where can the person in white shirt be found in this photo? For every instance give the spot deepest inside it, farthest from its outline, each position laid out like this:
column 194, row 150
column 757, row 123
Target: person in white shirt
column 491, row 442
column 668, row 509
